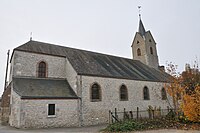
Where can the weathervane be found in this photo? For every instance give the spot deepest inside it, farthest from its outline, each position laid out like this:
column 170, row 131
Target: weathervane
column 139, row 11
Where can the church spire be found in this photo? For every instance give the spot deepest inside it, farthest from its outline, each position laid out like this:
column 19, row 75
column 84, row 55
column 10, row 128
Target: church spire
column 141, row 28
column 144, row 46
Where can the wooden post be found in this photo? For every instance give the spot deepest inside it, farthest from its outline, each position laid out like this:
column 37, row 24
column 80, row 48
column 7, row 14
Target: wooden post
column 131, row 114
column 153, row 111
column 149, row 113
column 116, row 113
column 109, row 117
column 137, row 113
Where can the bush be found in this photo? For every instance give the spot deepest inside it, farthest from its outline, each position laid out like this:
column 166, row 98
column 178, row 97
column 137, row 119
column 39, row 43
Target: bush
column 183, row 119
column 128, row 125
column 171, row 115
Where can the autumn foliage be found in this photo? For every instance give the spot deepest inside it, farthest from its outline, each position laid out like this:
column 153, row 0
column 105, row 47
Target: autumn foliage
column 185, row 91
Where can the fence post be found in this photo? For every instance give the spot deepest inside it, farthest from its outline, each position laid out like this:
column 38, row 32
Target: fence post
column 131, row 114
column 124, row 113
column 153, row 113
column 149, row 114
column 116, row 113
column 137, row 113
column 109, row 117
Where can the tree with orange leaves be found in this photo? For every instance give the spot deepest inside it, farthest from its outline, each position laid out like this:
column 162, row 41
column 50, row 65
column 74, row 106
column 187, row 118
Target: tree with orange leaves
column 185, row 91
column 191, row 105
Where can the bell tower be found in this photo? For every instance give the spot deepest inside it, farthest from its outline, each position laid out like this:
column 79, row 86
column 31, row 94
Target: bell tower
column 144, row 46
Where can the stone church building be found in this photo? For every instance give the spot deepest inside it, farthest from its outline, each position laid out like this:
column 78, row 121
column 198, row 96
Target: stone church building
column 57, row 86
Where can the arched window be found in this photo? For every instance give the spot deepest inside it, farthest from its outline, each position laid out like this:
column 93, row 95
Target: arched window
column 123, row 93
column 42, row 69
column 138, row 52
column 164, row 94
column 146, row 93
column 95, row 93
column 151, row 50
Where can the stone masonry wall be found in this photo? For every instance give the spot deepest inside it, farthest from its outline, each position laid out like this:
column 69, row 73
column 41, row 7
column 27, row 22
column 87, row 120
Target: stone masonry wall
column 15, row 106
column 140, row 45
column 26, row 64
column 97, row 112
column 151, row 59
column 34, row 113
column 5, row 106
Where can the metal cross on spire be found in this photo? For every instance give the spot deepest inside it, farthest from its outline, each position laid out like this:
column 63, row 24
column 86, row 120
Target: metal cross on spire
column 139, row 10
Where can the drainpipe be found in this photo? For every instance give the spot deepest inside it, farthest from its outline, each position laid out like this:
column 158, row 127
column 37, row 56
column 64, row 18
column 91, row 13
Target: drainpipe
column 6, row 69
column 81, row 103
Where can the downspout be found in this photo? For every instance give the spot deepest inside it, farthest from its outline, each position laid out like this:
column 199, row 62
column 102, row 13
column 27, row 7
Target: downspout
column 81, row 102
column 5, row 84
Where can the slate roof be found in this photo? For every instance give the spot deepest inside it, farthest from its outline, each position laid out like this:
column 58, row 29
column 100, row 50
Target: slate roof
column 141, row 29
column 97, row 64
column 27, row 88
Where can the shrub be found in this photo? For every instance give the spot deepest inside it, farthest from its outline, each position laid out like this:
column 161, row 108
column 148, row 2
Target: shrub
column 128, row 125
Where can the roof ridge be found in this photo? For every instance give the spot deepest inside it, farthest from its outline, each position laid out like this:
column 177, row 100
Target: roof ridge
column 83, row 50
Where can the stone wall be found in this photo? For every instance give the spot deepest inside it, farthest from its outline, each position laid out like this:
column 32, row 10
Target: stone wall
column 97, row 112
column 15, row 106
column 5, row 106
column 26, row 64
column 141, row 45
column 34, row 113
column 151, row 59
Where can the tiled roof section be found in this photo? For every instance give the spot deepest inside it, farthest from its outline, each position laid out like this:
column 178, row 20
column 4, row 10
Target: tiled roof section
column 96, row 64
column 43, row 88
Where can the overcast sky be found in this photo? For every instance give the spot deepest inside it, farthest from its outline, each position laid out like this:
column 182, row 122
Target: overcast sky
column 106, row 26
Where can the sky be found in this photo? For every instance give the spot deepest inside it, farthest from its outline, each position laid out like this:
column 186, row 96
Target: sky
column 105, row 26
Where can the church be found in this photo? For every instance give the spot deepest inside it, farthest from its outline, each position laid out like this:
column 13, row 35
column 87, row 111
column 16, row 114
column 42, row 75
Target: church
column 57, row 86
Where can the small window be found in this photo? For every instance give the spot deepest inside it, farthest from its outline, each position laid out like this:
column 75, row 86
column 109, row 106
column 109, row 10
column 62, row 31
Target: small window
column 95, row 93
column 138, row 42
column 123, row 93
column 51, row 110
column 149, row 40
column 42, row 70
column 164, row 94
column 138, row 52
column 146, row 93
column 151, row 50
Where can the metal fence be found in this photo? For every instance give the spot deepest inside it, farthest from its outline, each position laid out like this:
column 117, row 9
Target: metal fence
column 117, row 116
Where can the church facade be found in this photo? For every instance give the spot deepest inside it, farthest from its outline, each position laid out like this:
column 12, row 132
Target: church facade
column 57, row 86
